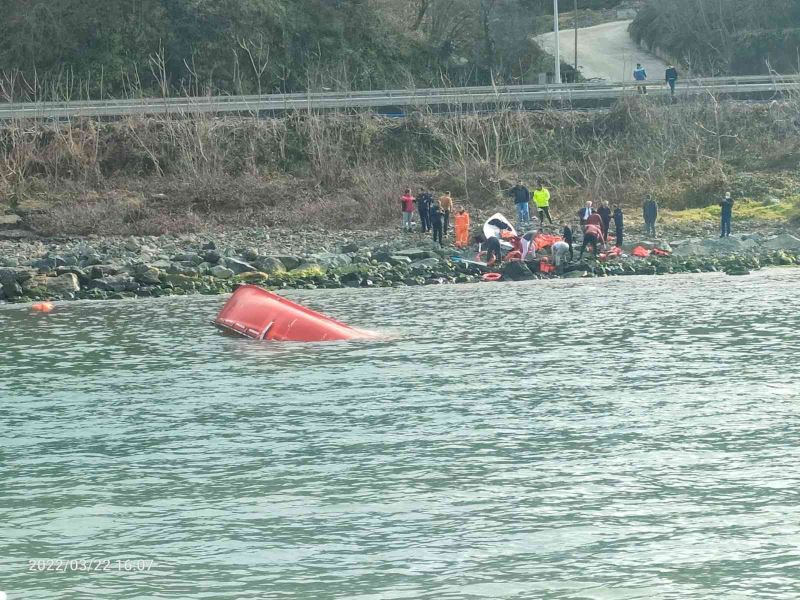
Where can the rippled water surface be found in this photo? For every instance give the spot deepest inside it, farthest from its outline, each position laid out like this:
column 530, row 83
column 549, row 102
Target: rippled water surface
column 605, row 439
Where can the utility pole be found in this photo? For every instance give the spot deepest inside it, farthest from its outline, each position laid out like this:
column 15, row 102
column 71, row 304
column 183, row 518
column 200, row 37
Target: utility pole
column 558, row 50
column 576, row 39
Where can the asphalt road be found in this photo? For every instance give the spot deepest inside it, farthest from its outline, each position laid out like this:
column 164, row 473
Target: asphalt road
column 605, row 51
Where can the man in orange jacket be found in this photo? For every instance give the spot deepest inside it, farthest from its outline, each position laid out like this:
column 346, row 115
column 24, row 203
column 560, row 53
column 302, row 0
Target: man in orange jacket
column 462, row 227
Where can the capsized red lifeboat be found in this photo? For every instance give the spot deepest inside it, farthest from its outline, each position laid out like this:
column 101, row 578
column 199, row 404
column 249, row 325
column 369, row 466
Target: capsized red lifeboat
column 256, row 313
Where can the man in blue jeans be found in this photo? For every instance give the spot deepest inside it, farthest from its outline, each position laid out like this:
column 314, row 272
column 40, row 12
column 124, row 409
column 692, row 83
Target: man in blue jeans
column 640, row 75
column 522, row 198
column 726, row 216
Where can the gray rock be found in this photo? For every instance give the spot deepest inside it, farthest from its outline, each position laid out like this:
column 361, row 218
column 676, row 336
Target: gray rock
column 212, row 257
column 249, row 254
column 17, row 234
column 90, row 259
column 100, row 271
column 399, row 260
column 349, row 248
column 12, row 290
column 270, row 265
column 517, row 271
column 148, row 276
column 238, row 266
column 289, row 261
column 221, row 272
column 692, row 249
column 783, row 242
column 132, row 246
column 426, row 263
column 77, row 271
column 35, row 282
column 416, row 254
column 63, row 284
column 115, row 283
column 330, row 260
column 179, row 280
column 10, row 221
column 188, row 257
column 49, row 263
column 15, row 275
column 574, row 275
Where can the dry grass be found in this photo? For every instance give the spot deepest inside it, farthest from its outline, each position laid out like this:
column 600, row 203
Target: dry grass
column 347, row 171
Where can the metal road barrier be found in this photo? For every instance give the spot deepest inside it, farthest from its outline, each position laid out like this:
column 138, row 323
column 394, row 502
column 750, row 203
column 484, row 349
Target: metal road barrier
column 564, row 95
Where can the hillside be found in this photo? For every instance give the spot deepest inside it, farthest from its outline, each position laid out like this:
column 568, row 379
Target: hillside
column 730, row 37
column 102, row 48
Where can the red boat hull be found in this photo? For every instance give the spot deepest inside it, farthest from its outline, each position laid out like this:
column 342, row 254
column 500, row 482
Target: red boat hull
column 256, row 313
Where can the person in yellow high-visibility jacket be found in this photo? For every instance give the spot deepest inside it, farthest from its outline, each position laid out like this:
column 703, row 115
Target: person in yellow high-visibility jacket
column 542, row 198
column 462, row 228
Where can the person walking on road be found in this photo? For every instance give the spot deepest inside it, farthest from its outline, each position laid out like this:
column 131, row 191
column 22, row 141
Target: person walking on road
column 671, row 77
column 640, row 75
column 424, row 201
column 619, row 226
column 726, row 216
column 446, row 204
column 522, row 197
column 407, row 204
column 650, row 214
column 541, row 197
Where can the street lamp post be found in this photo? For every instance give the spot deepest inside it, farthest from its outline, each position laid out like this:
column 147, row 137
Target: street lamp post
column 576, row 40
column 558, row 48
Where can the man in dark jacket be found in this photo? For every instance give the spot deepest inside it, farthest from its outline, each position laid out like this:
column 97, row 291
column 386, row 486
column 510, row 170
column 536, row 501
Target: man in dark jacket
column 671, row 77
column 424, row 201
column 726, row 216
column 586, row 212
column 437, row 221
column 522, row 198
column 569, row 238
column 605, row 214
column 619, row 230
column 650, row 214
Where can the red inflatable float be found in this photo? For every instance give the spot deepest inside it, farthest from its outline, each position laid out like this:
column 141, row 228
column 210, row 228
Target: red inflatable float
column 492, row 277
column 255, row 313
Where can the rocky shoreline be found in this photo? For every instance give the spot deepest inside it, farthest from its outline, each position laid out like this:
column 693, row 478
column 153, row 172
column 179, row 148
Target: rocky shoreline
column 215, row 263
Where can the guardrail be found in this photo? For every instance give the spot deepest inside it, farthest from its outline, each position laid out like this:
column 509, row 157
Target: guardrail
column 376, row 99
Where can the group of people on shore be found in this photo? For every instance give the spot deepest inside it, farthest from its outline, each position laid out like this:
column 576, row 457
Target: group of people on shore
column 435, row 215
column 594, row 223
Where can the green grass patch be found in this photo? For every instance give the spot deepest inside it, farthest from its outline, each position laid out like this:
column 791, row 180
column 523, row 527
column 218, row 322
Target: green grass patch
column 788, row 209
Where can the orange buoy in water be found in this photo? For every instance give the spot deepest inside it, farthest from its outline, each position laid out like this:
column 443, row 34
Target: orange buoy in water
column 492, row 277
column 43, row 307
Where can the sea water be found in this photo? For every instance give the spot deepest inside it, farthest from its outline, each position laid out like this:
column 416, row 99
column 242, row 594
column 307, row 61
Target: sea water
column 605, row 438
